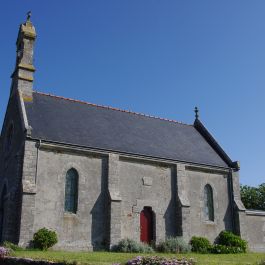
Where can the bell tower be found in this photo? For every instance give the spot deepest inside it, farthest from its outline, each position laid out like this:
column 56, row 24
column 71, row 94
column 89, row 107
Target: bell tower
column 22, row 77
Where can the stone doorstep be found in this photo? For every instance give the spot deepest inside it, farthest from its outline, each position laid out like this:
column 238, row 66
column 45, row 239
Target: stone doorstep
column 27, row 261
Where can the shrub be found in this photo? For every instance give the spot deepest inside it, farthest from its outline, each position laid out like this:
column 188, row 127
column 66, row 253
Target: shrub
column 4, row 252
column 173, row 245
column 12, row 246
column 221, row 249
column 131, row 246
column 228, row 239
column 200, row 245
column 159, row 261
column 44, row 239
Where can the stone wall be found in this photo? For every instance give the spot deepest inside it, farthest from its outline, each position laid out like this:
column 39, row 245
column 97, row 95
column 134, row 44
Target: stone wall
column 11, row 157
column 85, row 230
column 29, row 191
column 255, row 226
column 113, row 190
column 175, row 193
column 218, row 180
column 152, row 185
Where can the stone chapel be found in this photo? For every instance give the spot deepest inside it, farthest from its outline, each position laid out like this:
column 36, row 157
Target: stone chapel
column 97, row 174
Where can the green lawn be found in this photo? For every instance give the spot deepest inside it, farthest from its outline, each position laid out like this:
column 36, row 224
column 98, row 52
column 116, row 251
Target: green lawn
column 108, row 258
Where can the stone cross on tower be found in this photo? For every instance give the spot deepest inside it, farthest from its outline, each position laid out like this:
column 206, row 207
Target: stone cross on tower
column 22, row 77
column 196, row 110
column 28, row 16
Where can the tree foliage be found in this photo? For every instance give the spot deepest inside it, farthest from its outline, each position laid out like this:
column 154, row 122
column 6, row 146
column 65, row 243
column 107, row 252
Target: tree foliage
column 253, row 197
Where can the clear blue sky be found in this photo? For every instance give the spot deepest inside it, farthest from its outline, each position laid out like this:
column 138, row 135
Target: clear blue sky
column 159, row 57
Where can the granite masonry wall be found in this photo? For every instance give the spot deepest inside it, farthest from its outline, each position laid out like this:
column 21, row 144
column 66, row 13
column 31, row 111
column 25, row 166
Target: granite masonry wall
column 87, row 229
column 144, row 184
column 198, row 178
column 11, row 161
column 113, row 190
column 255, row 230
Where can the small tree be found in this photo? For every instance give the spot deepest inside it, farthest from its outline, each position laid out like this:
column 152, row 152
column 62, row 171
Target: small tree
column 44, row 239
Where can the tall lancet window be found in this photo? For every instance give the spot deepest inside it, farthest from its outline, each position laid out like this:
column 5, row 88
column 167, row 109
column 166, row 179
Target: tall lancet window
column 71, row 191
column 208, row 203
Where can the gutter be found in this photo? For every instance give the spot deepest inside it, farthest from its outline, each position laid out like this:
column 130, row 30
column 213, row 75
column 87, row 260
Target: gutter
column 55, row 145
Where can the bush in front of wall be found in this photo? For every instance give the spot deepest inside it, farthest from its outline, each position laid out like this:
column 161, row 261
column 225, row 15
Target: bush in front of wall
column 130, row 246
column 200, row 245
column 221, row 249
column 232, row 241
column 12, row 246
column 44, row 239
column 173, row 245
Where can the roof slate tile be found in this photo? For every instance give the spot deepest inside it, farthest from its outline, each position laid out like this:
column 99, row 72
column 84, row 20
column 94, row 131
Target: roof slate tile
column 59, row 119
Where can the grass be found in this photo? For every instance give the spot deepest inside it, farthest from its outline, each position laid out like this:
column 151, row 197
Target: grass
column 108, row 258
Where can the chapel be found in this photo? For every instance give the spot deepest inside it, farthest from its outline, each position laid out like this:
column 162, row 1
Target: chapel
column 97, row 174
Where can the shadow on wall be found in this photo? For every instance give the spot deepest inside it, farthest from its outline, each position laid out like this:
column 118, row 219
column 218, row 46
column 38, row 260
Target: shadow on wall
column 170, row 214
column 100, row 227
column 2, row 212
column 228, row 219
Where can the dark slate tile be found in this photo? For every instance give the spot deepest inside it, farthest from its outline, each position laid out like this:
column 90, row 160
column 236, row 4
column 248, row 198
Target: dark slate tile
column 68, row 121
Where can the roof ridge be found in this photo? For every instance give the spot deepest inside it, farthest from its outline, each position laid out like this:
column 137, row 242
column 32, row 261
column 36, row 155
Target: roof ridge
column 111, row 108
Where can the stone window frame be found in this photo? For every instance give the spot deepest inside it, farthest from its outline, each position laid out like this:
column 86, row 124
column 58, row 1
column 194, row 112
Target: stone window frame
column 76, row 193
column 208, row 203
column 81, row 181
column 215, row 202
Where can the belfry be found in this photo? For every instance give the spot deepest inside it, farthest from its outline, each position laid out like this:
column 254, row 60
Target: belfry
column 22, row 77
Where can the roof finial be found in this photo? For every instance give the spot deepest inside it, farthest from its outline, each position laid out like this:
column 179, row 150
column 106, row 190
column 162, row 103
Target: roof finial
column 28, row 16
column 196, row 110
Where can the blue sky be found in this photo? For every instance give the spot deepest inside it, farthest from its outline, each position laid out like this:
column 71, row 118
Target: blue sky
column 156, row 57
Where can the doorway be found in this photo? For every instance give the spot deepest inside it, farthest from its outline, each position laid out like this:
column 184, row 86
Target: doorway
column 147, row 225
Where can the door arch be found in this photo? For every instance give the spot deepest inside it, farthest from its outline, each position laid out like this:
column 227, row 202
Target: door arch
column 147, row 225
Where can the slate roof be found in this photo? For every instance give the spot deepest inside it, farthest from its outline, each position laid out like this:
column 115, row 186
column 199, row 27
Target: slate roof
column 79, row 123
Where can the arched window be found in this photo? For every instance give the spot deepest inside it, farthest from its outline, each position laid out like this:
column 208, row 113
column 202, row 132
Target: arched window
column 208, row 203
column 71, row 191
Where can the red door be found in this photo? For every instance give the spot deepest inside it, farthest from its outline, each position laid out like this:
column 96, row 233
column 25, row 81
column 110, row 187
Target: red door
column 146, row 225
